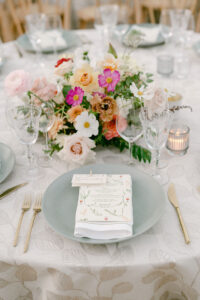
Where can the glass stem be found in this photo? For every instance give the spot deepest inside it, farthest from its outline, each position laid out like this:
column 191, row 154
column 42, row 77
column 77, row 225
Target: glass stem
column 130, row 151
column 29, row 156
column 157, row 162
column 46, row 141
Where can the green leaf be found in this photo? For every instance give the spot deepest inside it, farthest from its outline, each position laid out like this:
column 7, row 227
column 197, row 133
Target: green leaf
column 66, row 89
column 68, row 75
column 112, row 50
column 141, row 153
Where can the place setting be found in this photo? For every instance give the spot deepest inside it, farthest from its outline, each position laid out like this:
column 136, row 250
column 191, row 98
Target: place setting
column 99, row 166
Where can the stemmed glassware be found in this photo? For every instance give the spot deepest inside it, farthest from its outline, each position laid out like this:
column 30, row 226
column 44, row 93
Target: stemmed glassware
column 109, row 17
column 156, row 128
column 53, row 27
column 35, row 28
column 128, row 124
column 165, row 24
column 46, row 122
column 25, row 123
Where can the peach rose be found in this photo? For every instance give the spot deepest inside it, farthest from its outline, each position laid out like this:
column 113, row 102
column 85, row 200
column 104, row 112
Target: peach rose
column 43, row 89
column 17, row 82
column 74, row 112
column 57, row 126
column 86, row 78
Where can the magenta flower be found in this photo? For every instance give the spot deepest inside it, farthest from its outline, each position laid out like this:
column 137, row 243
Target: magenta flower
column 109, row 79
column 75, row 97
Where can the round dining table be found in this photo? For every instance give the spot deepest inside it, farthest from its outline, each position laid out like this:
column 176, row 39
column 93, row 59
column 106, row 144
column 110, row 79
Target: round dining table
column 157, row 264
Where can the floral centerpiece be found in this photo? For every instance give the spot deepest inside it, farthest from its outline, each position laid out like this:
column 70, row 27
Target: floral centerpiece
column 86, row 101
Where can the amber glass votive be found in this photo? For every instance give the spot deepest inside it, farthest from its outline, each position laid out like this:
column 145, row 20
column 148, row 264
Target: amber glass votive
column 178, row 139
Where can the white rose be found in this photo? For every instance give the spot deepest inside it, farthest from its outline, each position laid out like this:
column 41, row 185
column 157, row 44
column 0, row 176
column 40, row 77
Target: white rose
column 64, row 67
column 76, row 149
column 159, row 101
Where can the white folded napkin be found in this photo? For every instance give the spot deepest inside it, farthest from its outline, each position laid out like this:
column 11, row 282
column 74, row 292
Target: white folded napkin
column 48, row 40
column 105, row 211
column 150, row 34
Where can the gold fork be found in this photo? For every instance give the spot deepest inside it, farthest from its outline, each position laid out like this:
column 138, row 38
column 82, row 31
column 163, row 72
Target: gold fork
column 25, row 206
column 37, row 209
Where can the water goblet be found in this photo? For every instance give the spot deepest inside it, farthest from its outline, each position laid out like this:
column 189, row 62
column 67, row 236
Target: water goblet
column 128, row 124
column 45, row 124
column 109, row 16
column 165, row 24
column 25, row 120
column 35, row 28
column 53, row 31
column 156, row 128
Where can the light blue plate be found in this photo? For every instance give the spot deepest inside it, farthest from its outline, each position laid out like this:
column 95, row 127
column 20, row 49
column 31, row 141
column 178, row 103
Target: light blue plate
column 60, row 201
column 160, row 39
column 196, row 47
column 72, row 40
column 7, row 161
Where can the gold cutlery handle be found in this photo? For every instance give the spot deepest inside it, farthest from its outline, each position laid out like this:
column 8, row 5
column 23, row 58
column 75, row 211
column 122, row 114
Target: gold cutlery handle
column 186, row 236
column 29, row 232
column 18, row 228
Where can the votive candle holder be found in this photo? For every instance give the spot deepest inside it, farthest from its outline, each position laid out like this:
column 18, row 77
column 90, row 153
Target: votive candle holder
column 178, row 139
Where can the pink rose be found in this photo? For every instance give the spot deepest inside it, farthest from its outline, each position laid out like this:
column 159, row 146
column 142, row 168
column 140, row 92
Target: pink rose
column 17, row 82
column 43, row 89
column 158, row 103
column 76, row 149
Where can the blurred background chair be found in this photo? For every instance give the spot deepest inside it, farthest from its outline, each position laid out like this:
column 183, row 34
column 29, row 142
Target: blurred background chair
column 18, row 9
column 146, row 9
column 86, row 15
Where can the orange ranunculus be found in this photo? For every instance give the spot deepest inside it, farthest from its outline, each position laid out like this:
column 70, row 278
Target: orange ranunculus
column 110, row 130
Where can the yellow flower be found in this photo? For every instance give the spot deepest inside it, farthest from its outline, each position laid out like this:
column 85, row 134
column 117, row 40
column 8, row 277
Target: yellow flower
column 86, row 78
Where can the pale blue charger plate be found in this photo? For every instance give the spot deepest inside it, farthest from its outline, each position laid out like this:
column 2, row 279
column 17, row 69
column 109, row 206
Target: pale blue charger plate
column 196, row 48
column 159, row 41
column 7, row 161
column 60, row 201
column 71, row 39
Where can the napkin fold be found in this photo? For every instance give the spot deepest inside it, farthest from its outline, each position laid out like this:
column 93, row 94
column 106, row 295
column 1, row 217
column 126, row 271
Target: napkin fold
column 150, row 34
column 105, row 211
column 48, row 40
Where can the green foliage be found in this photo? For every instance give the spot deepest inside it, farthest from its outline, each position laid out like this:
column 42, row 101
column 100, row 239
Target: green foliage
column 68, row 75
column 53, row 147
column 85, row 103
column 112, row 50
column 66, row 89
column 141, row 153
column 86, row 56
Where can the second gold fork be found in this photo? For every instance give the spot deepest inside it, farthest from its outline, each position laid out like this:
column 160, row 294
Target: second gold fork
column 37, row 209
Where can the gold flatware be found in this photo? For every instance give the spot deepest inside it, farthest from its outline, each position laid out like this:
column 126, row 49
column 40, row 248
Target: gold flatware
column 37, row 209
column 174, row 201
column 12, row 189
column 25, row 206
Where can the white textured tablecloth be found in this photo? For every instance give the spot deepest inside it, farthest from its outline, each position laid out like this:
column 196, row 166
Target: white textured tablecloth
column 155, row 265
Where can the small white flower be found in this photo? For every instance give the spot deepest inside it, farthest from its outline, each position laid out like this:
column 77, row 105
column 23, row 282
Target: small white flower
column 86, row 125
column 142, row 93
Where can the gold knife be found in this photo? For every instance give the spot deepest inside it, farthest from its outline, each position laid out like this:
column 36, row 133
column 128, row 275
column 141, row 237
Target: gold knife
column 174, row 201
column 12, row 189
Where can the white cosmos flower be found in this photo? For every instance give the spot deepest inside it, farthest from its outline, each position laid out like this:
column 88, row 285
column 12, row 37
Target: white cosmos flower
column 142, row 93
column 86, row 125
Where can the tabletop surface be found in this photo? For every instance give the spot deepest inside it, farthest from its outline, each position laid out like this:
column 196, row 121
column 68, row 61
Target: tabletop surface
column 155, row 263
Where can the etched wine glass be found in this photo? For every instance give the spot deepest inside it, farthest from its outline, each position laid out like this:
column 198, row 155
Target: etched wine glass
column 25, row 119
column 45, row 124
column 128, row 124
column 156, row 128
